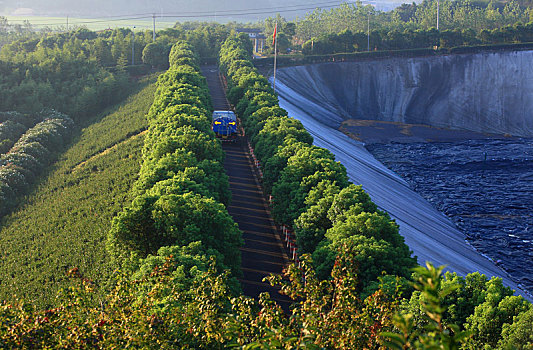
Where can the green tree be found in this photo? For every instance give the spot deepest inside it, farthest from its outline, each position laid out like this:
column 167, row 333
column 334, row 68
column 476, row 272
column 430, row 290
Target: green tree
column 155, row 221
column 274, row 134
column 156, row 54
column 312, row 224
column 102, row 53
column 437, row 334
column 369, row 225
column 304, row 170
column 487, row 322
column 518, row 334
column 352, row 198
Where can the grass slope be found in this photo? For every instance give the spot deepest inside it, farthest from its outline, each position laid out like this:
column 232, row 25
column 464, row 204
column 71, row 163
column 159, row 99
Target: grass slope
column 64, row 222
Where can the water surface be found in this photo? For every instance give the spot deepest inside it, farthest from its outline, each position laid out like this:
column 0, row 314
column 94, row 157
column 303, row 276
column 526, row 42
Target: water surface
column 484, row 186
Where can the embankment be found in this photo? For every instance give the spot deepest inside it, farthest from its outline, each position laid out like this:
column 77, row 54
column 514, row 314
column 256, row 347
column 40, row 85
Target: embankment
column 414, row 91
column 486, row 92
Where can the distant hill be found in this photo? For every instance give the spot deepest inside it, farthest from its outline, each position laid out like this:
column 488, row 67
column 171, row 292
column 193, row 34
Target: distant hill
column 92, row 8
column 255, row 9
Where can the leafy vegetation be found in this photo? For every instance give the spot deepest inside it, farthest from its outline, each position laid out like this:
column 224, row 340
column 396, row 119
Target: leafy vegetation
column 174, row 305
column 58, row 79
column 354, row 27
column 35, row 149
column 179, row 299
column 181, row 181
column 63, row 222
column 310, row 190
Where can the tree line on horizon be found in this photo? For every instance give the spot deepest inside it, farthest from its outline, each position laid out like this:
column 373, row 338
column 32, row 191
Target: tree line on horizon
column 342, row 29
column 348, row 27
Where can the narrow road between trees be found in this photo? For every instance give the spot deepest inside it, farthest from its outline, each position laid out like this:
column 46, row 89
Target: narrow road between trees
column 263, row 253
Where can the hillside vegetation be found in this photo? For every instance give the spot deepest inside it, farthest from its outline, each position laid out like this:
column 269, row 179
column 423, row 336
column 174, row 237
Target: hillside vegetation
column 63, row 222
column 126, row 240
column 34, row 149
column 178, row 249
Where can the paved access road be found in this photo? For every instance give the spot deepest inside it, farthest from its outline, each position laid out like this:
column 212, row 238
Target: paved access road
column 263, row 252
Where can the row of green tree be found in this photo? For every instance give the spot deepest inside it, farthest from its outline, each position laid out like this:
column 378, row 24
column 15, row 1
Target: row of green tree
column 462, row 22
column 334, row 219
column 35, row 149
column 310, row 190
column 346, row 41
column 182, row 190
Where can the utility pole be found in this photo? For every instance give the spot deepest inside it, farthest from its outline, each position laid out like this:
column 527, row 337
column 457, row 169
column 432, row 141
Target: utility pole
column 368, row 33
column 438, row 15
column 275, row 53
column 133, row 47
column 153, row 17
column 67, row 24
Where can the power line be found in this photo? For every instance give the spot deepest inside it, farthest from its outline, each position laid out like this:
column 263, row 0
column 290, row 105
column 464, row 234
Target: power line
column 211, row 13
column 247, row 13
column 225, row 13
column 336, row 2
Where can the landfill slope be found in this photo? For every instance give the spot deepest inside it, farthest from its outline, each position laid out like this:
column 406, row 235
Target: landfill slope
column 428, row 233
column 486, row 92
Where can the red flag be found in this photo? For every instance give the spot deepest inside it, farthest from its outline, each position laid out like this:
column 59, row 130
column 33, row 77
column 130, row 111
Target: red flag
column 275, row 32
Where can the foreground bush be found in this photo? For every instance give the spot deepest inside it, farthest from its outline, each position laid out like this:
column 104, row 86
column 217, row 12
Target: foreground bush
column 179, row 299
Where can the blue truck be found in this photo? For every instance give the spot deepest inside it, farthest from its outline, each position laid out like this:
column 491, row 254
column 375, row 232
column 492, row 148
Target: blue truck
column 225, row 125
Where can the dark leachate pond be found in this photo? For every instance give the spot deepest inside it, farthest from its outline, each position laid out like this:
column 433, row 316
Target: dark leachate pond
column 484, row 186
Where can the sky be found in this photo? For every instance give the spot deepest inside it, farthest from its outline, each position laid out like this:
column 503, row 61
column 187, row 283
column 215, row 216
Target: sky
column 237, row 10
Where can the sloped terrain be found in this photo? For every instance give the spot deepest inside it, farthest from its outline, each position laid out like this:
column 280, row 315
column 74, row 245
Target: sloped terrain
column 64, row 221
column 486, row 92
